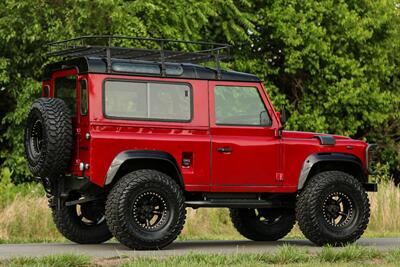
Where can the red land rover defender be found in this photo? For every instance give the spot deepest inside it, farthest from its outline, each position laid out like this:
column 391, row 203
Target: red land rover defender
column 125, row 139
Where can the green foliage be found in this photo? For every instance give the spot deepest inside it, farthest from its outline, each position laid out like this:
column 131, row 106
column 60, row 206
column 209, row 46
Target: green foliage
column 350, row 254
column 333, row 64
column 382, row 174
column 26, row 26
column 297, row 257
column 10, row 191
column 63, row 260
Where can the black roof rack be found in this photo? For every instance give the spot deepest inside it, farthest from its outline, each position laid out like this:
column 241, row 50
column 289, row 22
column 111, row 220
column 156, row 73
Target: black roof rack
column 161, row 50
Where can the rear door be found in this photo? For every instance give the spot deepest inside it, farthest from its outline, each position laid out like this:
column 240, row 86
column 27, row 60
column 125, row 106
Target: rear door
column 66, row 84
column 245, row 148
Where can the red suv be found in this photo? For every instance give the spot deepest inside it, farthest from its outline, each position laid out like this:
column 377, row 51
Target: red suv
column 125, row 139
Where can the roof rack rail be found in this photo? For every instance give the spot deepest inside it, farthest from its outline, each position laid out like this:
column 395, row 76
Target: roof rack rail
column 109, row 46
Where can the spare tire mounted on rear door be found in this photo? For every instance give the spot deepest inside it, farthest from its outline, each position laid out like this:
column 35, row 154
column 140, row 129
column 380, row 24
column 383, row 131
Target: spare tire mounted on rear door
column 48, row 137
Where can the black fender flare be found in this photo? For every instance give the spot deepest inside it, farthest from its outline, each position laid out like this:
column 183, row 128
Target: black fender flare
column 140, row 154
column 313, row 159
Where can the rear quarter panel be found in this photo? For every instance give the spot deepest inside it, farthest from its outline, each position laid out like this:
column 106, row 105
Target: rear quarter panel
column 109, row 137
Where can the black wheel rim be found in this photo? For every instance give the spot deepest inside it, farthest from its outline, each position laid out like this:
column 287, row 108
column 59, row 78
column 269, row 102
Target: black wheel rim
column 36, row 139
column 267, row 217
column 90, row 213
column 150, row 211
column 338, row 209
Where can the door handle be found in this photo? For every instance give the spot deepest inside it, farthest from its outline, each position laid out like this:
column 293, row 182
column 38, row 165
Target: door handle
column 224, row 149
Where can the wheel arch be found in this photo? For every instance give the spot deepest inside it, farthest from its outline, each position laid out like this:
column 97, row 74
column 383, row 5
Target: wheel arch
column 320, row 162
column 131, row 160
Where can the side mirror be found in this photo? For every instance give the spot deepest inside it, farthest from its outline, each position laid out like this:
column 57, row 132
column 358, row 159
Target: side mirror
column 282, row 116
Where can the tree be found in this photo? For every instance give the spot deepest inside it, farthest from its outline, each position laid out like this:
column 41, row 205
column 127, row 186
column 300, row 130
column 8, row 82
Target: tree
column 26, row 27
column 334, row 64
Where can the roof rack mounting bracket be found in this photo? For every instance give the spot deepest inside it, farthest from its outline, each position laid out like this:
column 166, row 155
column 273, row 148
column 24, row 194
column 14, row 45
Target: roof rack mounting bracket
column 163, row 70
column 218, row 66
column 108, row 54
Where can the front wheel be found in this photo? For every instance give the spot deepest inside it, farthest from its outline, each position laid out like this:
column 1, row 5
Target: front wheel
column 263, row 224
column 146, row 210
column 333, row 209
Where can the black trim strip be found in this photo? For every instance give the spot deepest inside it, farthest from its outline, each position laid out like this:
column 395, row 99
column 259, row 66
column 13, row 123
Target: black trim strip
column 140, row 154
column 326, row 140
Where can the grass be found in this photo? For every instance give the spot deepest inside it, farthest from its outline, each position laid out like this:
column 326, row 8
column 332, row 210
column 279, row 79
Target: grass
column 27, row 220
column 285, row 256
column 25, row 216
column 65, row 260
column 10, row 191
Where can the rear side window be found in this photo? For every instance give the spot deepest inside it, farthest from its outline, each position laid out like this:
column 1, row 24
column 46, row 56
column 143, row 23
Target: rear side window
column 235, row 105
column 147, row 101
column 65, row 88
column 84, row 97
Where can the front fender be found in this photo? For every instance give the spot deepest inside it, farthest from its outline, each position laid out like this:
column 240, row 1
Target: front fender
column 316, row 158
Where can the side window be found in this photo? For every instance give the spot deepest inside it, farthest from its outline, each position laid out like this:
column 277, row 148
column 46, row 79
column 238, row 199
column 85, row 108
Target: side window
column 65, row 88
column 235, row 105
column 84, row 97
column 147, row 101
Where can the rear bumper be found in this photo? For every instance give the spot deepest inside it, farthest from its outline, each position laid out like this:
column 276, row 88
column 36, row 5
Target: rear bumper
column 370, row 187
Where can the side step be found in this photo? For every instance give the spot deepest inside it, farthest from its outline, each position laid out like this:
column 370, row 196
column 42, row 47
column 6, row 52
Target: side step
column 238, row 203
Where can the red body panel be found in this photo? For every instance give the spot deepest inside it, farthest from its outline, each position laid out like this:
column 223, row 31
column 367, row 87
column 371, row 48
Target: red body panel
column 260, row 161
column 255, row 157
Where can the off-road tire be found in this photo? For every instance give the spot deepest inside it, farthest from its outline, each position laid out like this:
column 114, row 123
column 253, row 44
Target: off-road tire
column 311, row 212
column 249, row 225
column 51, row 119
column 122, row 209
column 71, row 226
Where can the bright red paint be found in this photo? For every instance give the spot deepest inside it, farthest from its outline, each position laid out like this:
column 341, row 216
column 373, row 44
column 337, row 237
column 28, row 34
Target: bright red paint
column 261, row 160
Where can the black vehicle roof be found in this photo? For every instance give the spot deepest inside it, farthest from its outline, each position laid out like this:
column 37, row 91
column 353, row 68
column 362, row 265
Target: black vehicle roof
column 86, row 64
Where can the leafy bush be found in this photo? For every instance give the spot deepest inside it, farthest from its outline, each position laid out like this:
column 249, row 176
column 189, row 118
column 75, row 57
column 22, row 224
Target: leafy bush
column 9, row 191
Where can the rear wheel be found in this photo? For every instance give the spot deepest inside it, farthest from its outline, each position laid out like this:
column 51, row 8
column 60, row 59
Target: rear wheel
column 333, row 209
column 82, row 223
column 146, row 210
column 263, row 224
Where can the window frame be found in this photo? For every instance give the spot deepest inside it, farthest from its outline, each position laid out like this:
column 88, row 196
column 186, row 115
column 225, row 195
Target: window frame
column 110, row 117
column 46, row 91
column 83, row 80
column 241, row 125
column 76, row 112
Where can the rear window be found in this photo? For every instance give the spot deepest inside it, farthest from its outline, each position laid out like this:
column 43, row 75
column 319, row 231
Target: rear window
column 65, row 88
column 147, row 101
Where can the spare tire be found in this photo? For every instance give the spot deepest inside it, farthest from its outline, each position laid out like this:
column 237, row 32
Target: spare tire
column 48, row 137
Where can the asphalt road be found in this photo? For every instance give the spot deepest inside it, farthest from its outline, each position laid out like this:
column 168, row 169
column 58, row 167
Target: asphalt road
column 109, row 250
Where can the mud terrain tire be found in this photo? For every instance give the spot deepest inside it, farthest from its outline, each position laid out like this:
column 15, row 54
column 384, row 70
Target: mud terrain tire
column 146, row 210
column 263, row 224
column 48, row 137
column 333, row 209
column 84, row 225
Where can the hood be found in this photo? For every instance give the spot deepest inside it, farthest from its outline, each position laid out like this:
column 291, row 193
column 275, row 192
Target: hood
column 308, row 135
